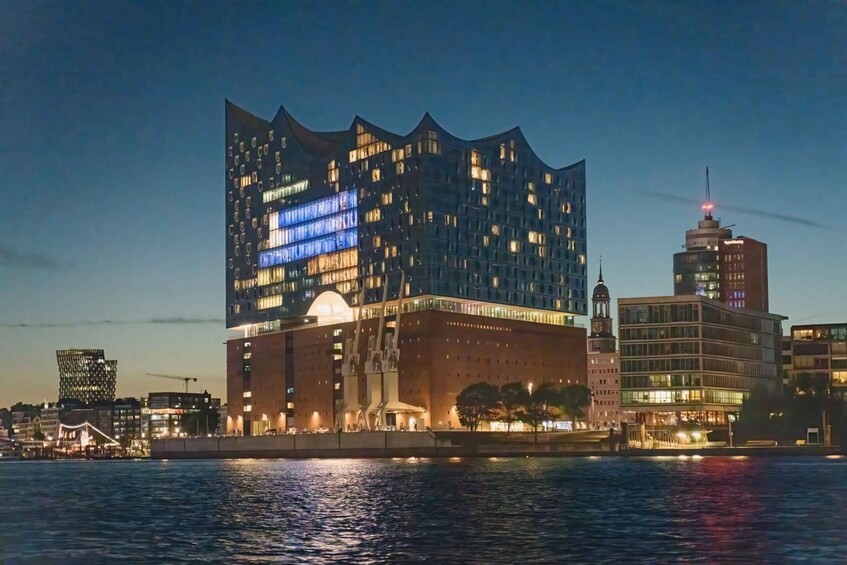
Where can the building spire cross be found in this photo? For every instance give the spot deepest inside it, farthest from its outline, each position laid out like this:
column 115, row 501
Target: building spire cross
column 600, row 280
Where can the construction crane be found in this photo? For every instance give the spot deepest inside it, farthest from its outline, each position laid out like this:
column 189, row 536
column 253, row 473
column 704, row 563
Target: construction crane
column 175, row 378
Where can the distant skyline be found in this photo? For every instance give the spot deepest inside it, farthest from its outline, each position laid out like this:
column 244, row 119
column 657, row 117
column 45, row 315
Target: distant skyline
column 112, row 228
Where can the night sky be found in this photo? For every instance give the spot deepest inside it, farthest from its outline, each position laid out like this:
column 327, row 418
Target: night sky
column 112, row 145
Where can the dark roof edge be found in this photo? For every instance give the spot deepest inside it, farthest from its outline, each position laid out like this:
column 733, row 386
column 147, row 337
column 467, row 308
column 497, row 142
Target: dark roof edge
column 320, row 142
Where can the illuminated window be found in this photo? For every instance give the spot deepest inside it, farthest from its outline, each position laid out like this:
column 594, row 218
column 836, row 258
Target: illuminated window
column 266, row 302
column 377, row 241
column 387, row 198
column 495, row 282
column 373, row 215
column 332, row 171
column 548, row 178
column 533, row 237
column 495, row 229
column 514, row 246
column 375, row 175
column 284, row 191
column 531, row 199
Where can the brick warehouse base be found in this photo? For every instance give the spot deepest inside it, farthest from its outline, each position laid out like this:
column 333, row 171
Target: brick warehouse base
column 441, row 353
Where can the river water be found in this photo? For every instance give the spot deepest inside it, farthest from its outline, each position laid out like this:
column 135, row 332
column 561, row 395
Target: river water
column 532, row 510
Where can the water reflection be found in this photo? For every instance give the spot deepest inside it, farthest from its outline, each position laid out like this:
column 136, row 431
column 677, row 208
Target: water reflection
column 457, row 510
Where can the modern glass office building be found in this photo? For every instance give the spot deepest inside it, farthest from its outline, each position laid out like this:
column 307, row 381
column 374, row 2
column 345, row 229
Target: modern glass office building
column 475, row 224
column 86, row 375
column 689, row 360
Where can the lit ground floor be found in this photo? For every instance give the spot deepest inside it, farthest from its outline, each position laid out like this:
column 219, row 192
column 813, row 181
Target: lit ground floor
column 689, row 425
column 689, row 416
column 297, row 379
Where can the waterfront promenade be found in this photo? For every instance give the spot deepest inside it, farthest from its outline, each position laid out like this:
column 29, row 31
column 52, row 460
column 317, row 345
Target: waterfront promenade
column 369, row 445
column 384, row 444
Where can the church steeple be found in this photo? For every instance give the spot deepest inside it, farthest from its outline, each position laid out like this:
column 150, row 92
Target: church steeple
column 601, row 338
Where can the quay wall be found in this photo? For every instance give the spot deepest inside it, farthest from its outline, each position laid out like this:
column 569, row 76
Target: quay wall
column 372, row 445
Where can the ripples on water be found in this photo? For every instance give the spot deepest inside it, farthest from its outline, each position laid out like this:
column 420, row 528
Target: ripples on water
column 444, row 511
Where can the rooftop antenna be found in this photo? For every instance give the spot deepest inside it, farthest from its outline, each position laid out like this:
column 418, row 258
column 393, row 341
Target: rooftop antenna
column 707, row 205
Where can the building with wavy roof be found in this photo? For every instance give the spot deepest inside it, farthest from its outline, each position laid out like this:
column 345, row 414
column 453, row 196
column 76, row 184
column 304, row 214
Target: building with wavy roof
column 319, row 222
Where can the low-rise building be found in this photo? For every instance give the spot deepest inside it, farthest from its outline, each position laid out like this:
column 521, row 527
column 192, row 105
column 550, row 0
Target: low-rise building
column 222, row 412
column 168, row 408
column 126, row 419
column 816, row 356
column 691, row 360
column 50, row 421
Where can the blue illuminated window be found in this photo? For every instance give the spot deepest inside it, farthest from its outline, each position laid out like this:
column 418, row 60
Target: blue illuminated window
column 319, row 208
column 326, row 244
column 322, row 226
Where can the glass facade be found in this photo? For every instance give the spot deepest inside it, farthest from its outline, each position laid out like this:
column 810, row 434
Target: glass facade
column 696, row 272
column 483, row 222
column 818, row 355
column 695, row 358
column 86, row 375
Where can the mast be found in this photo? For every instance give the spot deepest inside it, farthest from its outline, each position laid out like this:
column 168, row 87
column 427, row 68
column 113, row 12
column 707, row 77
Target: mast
column 381, row 315
column 359, row 323
column 399, row 306
column 350, row 371
column 707, row 205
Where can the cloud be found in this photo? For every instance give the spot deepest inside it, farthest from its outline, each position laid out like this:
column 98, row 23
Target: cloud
column 743, row 210
column 163, row 321
column 180, row 320
column 31, row 260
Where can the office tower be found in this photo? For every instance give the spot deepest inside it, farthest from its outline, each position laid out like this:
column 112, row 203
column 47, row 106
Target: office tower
column 690, row 360
column 85, row 375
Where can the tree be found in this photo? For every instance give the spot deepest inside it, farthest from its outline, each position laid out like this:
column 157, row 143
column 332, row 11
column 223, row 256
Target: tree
column 785, row 417
column 538, row 407
column 29, row 409
column 572, row 399
column 477, row 403
column 203, row 422
column 513, row 396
